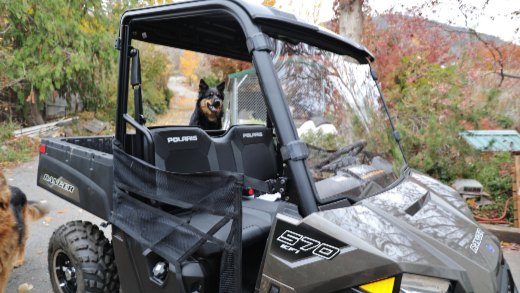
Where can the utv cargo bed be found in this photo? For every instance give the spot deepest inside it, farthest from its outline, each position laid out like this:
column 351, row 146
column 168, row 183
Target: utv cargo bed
column 87, row 164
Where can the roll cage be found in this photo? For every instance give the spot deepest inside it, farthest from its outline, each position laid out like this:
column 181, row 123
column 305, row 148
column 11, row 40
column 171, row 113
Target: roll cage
column 238, row 30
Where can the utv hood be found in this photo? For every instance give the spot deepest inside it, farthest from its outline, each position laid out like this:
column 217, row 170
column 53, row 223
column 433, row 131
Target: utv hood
column 420, row 226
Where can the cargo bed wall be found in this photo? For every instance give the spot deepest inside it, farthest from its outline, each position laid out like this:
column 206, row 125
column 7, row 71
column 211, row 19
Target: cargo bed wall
column 79, row 170
column 99, row 143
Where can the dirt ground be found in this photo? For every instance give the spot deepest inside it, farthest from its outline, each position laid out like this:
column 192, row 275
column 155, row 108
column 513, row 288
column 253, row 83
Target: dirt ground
column 181, row 105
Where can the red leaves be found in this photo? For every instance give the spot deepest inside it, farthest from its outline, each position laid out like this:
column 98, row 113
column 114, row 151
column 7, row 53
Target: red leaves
column 225, row 66
column 393, row 36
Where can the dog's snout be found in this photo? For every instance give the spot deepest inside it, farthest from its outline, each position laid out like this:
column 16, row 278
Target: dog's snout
column 217, row 102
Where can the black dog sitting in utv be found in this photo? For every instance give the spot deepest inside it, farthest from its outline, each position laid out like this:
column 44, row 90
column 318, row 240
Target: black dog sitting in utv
column 176, row 196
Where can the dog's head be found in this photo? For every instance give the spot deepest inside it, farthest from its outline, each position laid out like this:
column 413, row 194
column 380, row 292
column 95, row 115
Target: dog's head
column 5, row 193
column 211, row 100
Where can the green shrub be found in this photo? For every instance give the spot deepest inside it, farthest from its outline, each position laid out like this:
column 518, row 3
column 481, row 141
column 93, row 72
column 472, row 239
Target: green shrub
column 149, row 113
column 427, row 101
column 494, row 174
column 6, row 131
column 210, row 78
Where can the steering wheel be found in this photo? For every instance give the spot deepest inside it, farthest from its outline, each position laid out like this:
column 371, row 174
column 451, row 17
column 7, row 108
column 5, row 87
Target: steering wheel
column 335, row 160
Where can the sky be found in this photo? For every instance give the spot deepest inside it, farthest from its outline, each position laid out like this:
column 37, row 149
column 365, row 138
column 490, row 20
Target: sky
column 496, row 19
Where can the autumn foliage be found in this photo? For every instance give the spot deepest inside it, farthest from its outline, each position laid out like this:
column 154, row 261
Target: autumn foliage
column 222, row 66
column 269, row 2
column 396, row 36
column 439, row 81
column 189, row 62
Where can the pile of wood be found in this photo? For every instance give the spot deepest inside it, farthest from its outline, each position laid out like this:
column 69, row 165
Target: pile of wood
column 43, row 130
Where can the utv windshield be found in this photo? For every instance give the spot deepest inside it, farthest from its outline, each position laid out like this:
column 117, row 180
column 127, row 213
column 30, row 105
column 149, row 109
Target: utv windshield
column 338, row 112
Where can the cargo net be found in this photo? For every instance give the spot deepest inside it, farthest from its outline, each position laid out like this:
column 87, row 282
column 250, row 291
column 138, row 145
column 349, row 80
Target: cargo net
column 246, row 103
column 140, row 189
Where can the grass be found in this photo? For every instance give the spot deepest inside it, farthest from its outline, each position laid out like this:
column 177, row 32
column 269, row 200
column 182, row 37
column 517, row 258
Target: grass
column 14, row 151
column 6, row 131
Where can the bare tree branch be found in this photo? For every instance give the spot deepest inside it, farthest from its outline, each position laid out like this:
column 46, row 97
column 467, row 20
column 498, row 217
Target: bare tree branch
column 495, row 52
column 509, row 75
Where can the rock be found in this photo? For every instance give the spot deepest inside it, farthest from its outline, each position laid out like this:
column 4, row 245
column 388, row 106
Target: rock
column 95, row 126
column 67, row 132
column 25, row 287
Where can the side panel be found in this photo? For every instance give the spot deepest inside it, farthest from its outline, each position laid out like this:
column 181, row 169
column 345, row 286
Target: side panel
column 135, row 268
column 301, row 258
column 80, row 175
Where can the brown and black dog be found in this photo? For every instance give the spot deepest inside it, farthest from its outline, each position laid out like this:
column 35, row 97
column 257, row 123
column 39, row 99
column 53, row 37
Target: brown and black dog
column 208, row 110
column 15, row 212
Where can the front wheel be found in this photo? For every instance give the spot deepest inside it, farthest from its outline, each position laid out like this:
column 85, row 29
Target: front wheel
column 81, row 259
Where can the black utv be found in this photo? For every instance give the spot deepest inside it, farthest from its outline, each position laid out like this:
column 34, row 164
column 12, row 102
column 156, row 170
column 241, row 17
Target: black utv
column 305, row 189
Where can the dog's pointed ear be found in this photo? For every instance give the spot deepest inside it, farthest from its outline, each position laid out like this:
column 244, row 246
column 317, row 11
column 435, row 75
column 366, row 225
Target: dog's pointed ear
column 203, row 85
column 221, row 86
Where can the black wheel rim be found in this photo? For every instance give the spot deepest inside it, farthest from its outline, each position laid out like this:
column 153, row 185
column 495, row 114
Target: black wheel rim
column 64, row 272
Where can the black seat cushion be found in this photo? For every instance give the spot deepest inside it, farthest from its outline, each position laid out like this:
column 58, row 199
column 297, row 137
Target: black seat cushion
column 257, row 218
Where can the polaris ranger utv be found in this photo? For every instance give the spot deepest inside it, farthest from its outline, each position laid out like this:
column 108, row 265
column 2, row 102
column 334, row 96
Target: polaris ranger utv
column 254, row 207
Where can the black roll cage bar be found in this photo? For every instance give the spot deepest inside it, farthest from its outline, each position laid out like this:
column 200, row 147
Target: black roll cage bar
column 253, row 21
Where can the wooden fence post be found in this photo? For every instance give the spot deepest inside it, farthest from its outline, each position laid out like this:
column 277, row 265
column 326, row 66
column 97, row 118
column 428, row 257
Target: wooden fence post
column 516, row 190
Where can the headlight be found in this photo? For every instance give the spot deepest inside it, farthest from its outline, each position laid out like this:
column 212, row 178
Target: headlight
column 423, row 284
column 409, row 284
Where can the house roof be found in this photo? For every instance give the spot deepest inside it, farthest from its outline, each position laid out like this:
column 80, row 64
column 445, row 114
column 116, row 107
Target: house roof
column 493, row 140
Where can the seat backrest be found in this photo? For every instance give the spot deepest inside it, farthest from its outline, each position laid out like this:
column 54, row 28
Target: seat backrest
column 253, row 150
column 247, row 149
column 184, row 150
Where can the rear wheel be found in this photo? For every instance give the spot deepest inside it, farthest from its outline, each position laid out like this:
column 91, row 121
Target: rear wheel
column 81, row 259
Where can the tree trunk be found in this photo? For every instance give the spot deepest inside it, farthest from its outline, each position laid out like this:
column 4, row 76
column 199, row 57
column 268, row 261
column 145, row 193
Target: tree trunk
column 350, row 20
column 32, row 103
